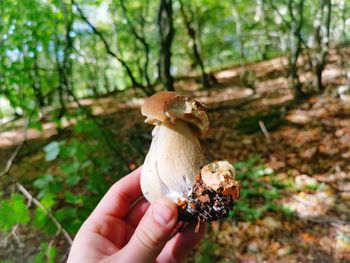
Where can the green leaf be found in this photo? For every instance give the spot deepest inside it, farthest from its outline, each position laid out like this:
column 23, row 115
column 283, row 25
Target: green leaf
column 48, row 200
column 73, row 199
column 70, row 168
column 70, row 219
column 73, row 179
column 42, row 221
column 13, row 211
column 52, row 150
column 46, row 254
column 43, row 181
column 69, row 150
column 66, row 213
column 36, row 125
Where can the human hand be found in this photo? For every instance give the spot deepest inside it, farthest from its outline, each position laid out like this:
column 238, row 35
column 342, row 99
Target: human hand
column 125, row 228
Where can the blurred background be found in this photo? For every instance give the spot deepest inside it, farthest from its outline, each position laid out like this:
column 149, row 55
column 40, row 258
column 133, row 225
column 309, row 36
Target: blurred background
column 275, row 76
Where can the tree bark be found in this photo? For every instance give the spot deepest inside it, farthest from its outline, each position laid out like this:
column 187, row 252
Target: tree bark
column 295, row 48
column 166, row 35
column 238, row 28
column 321, row 43
column 261, row 18
column 36, row 78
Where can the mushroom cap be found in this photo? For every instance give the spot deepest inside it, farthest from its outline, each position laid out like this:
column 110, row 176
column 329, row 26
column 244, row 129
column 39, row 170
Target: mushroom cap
column 168, row 106
column 221, row 174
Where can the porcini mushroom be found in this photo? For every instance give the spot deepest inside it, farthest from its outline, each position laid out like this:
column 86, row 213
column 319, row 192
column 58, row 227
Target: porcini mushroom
column 175, row 156
column 172, row 167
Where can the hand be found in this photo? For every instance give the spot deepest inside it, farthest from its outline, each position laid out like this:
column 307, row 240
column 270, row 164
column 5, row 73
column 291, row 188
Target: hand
column 124, row 227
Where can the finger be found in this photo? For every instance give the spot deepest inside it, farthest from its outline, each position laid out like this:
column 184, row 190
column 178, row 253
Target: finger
column 111, row 228
column 151, row 235
column 179, row 246
column 137, row 212
column 120, row 196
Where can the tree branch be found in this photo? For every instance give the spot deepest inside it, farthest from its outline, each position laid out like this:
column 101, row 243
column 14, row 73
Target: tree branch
column 25, row 192
column 37, row 203
column 108, row 48
column 140, row 38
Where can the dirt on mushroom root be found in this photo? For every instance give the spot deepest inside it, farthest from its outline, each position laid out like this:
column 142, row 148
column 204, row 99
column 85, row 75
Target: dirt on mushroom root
column 205, row 204
column 310, row 147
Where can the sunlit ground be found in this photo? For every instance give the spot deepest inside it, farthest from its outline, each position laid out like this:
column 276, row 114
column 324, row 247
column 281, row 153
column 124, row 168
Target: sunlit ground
column 309, row 151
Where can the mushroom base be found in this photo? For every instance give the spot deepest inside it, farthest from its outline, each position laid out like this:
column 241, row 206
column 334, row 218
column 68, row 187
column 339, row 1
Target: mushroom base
column 204, row 204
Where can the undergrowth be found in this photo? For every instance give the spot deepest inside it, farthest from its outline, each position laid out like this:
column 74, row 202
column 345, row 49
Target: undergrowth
column 82, row 169
column 260, row 193
column 80, row 172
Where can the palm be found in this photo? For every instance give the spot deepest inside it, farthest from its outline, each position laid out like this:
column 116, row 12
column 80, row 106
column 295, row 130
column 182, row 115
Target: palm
column 108, row 233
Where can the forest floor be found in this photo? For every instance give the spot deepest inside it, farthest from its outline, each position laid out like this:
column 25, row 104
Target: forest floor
column 305, row 145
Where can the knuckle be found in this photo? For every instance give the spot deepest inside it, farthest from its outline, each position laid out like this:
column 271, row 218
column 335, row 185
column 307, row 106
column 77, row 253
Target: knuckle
column 148, row 240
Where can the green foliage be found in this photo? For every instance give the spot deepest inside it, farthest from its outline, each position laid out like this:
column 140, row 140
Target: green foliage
column 49, row 57
column 259, row 191
column 13, row 211
column 47, row 253
column 206, row 252
column 43, row 222
column 52, row 150
column 39, row 57
column 72, row 190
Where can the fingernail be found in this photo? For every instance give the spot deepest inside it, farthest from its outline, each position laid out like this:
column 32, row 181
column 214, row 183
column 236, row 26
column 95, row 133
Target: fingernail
column 162, row 213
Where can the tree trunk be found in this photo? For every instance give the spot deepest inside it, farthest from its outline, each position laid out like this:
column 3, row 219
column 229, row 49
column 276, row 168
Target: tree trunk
column 208, row 80
column 295, row 48
column 238, row 29
column 261, row 16
column 166, row 35
column 108, row 49
column 321, row 42
column 36, row 82
column 140, row 36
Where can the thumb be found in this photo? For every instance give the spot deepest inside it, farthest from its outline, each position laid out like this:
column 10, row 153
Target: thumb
column 152, row 233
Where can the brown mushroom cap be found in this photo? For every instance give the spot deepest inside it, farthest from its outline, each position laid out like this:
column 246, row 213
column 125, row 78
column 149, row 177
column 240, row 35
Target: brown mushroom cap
column 168, row 106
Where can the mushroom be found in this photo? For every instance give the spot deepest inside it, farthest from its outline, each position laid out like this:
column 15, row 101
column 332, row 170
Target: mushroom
column 175, row 158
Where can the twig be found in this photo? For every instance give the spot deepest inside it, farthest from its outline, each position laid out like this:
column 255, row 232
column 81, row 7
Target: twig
column 17, row 150
column 14, row 234
column 19, row 242
column 37, row 203
column 265, row 131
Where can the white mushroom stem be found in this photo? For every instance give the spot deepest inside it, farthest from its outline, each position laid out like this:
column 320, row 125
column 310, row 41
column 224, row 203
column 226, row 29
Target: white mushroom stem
column 174, row 159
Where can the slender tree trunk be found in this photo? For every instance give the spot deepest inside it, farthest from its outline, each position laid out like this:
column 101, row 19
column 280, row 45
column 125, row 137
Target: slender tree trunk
column 36, row 76
column 140, row 36
column 108, row 49
column 262, row 20
column 63, row 63
column 295, row 48
column 166, row 35
column 208, row 79
column 238, row 29
column 61, row 78
column 321, row 42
